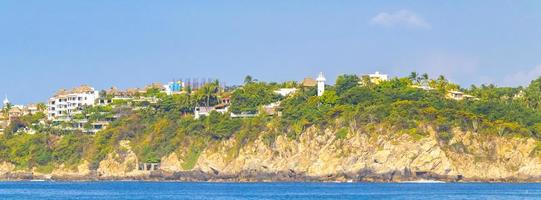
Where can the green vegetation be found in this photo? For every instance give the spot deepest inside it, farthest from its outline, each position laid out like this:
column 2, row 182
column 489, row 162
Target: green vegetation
column 168, row 126
column 248, row 98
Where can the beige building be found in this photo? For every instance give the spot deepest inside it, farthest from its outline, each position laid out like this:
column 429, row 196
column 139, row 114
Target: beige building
column 457, row 95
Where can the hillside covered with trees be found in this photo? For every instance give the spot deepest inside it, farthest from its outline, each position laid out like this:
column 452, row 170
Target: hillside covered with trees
column 353, row 104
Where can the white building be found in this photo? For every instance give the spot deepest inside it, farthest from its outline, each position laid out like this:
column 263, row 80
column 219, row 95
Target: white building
column 31, row 109
column 65, row 103
column 377, row 78
column 285, row 91
column 205, row 111
column 457, row 95
column 320, row 84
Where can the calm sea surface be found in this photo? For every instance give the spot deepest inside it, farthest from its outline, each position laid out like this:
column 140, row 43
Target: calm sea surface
column 256, row 191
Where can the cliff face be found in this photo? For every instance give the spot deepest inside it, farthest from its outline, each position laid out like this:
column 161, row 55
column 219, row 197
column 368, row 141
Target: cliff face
column 386, row 157
column 321, row 155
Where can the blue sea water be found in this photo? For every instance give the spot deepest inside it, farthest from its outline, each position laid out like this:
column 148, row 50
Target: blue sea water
column 270, row 191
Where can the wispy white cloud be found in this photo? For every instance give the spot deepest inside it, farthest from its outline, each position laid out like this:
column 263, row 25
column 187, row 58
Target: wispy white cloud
column 522, row 78
column 404, row 18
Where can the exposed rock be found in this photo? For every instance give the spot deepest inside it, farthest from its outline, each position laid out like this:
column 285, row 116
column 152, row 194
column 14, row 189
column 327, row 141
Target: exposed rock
column 116, row 165
column 82, row 170
column 171, row 163
column 6, row 168
column 319, row 156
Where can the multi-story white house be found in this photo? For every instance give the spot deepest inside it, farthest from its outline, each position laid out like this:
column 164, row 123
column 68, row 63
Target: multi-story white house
column 65, row 103
column 378, row 77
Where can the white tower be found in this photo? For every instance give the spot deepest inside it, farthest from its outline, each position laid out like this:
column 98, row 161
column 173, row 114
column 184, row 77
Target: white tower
column 6, row 101
column 320, row 84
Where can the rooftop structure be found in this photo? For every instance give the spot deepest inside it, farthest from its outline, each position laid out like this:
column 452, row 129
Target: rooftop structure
column 309, row 82
column 15, row 111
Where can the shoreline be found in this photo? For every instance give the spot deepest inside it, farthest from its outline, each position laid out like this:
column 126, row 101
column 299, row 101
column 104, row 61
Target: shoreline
column 193, row 177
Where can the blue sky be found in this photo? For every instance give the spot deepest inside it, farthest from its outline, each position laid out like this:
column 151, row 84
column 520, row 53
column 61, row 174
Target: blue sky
column 48, row 45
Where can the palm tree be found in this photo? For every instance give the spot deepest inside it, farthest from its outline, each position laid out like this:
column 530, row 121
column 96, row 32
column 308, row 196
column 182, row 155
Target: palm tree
column 414, row 76
column 209, row 90
column 424, row 77
column 442, row 82
column 442, row 78
column 6, row 109
column 248, row 79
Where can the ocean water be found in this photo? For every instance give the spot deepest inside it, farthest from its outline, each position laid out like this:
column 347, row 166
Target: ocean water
column 259, row 191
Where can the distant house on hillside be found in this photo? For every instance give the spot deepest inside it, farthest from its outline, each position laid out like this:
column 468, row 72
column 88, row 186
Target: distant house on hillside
column 174, row 87
column 423, row 87
column 158, row 86
column 114, row 94
column 457, row 95
column 205, row 111
column 31, row 109
column 16, row 111
column 272, row 109
column 319, row 82
column 377, row 78
column 309, row 82
column 67, row 102
column 222, row 107
column 285, row 91
column 519, row 95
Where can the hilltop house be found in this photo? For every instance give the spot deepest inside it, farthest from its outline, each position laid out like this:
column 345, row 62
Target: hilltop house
column 222, row 107
column 423, row 86
column 31, row 109
column 319, row 82
column 174, row 87
column 114, row 94
column 519, row 95
column 205, row 111
column 16, row 111
column 272, row 109
column 309, row 82
column 157, row 86
column 457, row 95
column 375, row 78
column 67, row 102
column 285, row 91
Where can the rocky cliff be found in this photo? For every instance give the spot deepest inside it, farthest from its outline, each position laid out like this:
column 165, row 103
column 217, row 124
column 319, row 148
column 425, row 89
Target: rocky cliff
column 320, row 155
